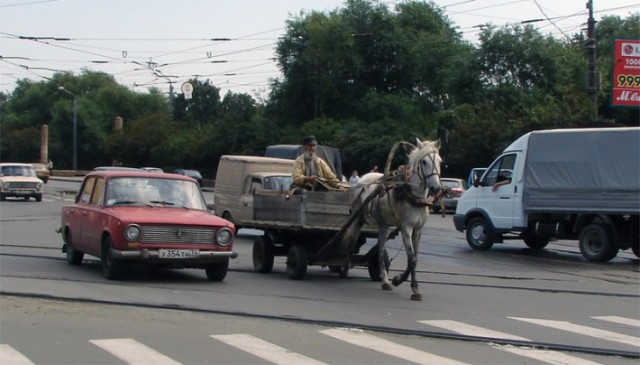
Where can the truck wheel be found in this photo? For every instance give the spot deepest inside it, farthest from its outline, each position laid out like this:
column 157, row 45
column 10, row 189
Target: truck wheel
column 479, row 234
column 297, row 260
column 374, row 267
column 39, row 197
column 535, row 242
column 262, row 255
column 596, row 243
column 111, row 267
column 217, row 271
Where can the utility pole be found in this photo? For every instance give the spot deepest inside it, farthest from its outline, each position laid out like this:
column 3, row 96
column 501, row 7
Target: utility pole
column 593, row 78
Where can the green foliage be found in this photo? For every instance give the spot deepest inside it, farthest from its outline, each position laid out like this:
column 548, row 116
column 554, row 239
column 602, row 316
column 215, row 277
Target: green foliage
column 360, row 78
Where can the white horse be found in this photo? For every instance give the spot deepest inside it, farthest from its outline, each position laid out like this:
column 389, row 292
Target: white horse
column 402, row 203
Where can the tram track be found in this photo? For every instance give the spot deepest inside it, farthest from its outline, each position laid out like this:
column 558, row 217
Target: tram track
column 366, row 278
column 342, row 324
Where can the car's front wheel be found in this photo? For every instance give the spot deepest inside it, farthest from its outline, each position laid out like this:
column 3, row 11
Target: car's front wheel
column 217, row 271
column 111, row 266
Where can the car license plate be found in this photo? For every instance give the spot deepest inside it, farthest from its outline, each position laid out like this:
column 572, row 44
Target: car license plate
column 167, row 253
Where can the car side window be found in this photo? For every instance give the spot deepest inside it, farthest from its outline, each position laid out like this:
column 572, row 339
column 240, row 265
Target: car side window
column 255, row 185
column 98, row 192
column 87, row 188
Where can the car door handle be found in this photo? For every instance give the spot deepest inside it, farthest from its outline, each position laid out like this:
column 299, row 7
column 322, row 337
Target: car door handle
column 84, row 213
column 245, row 204
column 504, row 197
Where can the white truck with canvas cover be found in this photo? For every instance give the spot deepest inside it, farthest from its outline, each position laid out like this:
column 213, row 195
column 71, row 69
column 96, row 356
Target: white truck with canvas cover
column 575, row 184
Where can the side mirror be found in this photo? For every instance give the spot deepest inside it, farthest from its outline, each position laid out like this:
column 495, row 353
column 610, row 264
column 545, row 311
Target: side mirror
column 476, row 181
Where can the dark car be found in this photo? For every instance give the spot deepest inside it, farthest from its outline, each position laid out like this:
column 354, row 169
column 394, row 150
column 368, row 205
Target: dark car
column 194, row 174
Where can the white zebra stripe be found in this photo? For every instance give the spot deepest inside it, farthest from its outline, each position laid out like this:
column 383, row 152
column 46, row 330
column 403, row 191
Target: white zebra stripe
column 10, row 356
column 583, row 330
column 133, row 352
column 265, row 350
column 362, row 339
column 550, row 357
column 621, row 320
column 471, row 330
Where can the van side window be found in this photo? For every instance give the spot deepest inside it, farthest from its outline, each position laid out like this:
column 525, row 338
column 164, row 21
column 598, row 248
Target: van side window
column 501, row 170
column 256, row 184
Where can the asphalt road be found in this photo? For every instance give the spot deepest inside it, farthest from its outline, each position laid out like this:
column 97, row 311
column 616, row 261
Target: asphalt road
column 56, row 313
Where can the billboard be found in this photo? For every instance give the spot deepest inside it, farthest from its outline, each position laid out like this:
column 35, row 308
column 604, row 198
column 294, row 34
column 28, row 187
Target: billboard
column 626, row 73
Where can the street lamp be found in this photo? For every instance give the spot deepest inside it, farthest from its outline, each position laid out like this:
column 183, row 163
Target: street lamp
column 75, row 127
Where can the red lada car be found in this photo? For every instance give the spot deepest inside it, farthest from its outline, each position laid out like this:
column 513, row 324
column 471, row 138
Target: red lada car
column 153, row 218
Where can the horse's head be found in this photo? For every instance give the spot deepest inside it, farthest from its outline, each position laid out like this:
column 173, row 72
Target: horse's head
column 424, row 161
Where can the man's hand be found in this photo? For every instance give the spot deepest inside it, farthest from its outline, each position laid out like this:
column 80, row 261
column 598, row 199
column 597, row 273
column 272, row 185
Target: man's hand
column 310, row 179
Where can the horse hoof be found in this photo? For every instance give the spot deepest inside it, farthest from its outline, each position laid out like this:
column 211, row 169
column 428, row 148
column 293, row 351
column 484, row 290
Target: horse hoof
column 416, row 296
column 386, row 286
column 396, row 281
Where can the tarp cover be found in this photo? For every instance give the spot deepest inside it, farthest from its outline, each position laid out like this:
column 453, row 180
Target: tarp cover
column 291, row 151
column 590, row 170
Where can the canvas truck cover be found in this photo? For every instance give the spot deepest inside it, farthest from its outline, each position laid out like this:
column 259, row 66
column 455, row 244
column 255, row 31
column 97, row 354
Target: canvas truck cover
column 583, row 170
column 291, row 151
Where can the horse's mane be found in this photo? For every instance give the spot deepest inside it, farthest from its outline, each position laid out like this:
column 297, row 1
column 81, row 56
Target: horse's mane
column 424, row 149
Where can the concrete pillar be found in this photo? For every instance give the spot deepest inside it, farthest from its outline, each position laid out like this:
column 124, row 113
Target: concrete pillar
column 44, row 144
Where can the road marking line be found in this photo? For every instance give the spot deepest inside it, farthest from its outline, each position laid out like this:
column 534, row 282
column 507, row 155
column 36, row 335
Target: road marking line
column 265, row 350
column 362, row 339
column 134, row 352
column 551, row 357
column 621, row 320
column 584, row 330
column 10, row 356
column 471, row 330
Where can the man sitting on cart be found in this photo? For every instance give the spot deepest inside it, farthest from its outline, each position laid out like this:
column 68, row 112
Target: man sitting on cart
column 310, row 172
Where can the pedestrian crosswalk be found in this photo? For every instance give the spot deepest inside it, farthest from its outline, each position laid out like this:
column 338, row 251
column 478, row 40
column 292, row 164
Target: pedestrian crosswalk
column 274, row 350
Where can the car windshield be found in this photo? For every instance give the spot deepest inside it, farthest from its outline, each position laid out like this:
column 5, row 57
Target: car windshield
column 279, row 183
column 17, row 171
column 154, row 192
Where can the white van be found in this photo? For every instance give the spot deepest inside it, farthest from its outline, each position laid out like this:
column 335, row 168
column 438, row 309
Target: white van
column 239, row 177
column 575, row 184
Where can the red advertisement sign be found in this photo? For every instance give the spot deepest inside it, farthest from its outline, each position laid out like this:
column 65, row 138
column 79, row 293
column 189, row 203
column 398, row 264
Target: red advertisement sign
column 626, row 73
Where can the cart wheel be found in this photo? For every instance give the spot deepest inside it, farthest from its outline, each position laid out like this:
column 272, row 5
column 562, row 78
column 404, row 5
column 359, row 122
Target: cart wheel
column 297, row 262
column 343, row 271
column 262, row 255
column 374, row 267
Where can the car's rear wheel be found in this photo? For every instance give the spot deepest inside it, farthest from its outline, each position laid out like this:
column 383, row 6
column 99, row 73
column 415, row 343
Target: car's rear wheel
column 111, row 266
column 39, row 197
column 217, row 271
column 74, row 257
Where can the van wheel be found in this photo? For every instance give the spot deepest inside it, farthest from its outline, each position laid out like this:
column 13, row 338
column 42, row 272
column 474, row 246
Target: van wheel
column 596, row 243
column 535, row 242
column 479, row 234
column 262, row 255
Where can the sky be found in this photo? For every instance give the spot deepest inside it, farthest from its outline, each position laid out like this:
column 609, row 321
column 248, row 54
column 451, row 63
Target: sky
column 163, row 43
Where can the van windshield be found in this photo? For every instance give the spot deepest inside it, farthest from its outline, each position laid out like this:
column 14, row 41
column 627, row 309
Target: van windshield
column 279, row 183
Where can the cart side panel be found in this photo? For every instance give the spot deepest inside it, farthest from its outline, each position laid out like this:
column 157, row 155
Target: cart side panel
column 278, row 208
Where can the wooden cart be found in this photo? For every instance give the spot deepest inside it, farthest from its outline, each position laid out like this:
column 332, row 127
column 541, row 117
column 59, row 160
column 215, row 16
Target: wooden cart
column 314, row 228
